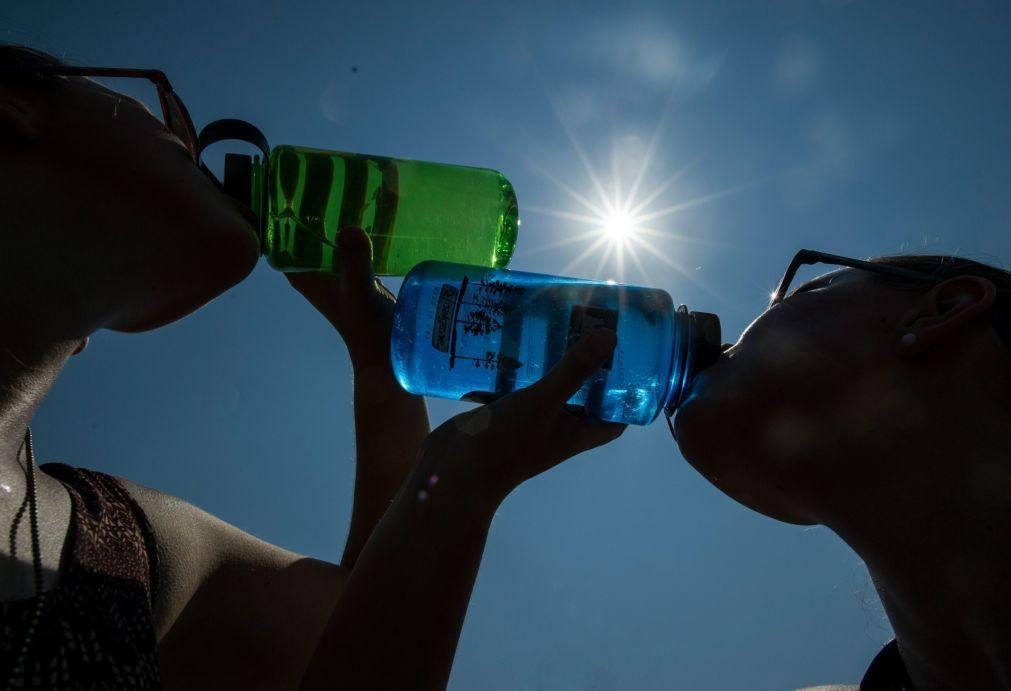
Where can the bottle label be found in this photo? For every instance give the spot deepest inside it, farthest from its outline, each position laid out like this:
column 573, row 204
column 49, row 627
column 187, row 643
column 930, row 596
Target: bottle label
column 442, row 331
column 585, row 319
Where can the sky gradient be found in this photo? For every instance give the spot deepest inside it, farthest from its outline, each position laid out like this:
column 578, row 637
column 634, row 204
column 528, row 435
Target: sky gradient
column 855, row 128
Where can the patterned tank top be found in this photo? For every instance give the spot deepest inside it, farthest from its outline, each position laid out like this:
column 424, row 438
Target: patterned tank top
column 96, row 629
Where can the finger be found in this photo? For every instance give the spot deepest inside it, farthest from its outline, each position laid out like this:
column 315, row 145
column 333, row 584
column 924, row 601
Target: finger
column 570, row 436
column 319, row 289
column 355, row 250
column 580, row 361
column 580, row 434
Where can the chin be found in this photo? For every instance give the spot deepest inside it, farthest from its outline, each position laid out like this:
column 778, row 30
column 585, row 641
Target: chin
column 233, row 256
column 722, row 440
column 192, row 281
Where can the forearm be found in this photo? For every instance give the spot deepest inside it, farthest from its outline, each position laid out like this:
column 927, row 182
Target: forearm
column 390, row 426
column 399, row 618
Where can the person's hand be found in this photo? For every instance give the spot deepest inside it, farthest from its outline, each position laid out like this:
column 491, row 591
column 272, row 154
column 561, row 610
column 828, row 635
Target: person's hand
column 358, row 305
column 498, row 446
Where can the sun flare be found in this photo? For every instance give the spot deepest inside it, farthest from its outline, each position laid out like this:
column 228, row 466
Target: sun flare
column 619, row 226
column 624, row 217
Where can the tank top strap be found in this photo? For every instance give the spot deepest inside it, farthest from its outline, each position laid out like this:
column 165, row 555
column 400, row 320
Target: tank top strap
column 110, row 534
column 95, row 628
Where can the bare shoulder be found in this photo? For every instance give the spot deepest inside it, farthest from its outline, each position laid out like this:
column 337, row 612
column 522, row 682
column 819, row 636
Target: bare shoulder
column 196, row 547
column 188, row 553
column 233, row 611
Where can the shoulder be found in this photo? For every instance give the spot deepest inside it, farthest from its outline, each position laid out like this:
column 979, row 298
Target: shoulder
column 196, row 548
column 186, row 538
column 236, row 611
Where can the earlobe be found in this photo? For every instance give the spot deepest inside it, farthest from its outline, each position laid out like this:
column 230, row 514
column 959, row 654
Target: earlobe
column 908, row 344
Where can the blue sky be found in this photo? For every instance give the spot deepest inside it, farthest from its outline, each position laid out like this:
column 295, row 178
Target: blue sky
column 856, row 128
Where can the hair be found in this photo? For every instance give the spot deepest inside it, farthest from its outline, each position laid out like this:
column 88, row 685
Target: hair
column 943, row 267
column 12, row 55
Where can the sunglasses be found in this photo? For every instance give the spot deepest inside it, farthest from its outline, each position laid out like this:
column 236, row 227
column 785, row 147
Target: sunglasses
column 997, row 317
column 173, row 111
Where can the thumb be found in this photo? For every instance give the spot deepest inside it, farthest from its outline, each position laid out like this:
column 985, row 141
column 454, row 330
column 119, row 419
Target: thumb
column 582, row 434
column 580, row 361
column 355, row 249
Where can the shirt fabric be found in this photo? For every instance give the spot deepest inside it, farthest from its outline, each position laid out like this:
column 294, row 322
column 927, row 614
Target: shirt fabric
column 96, row 628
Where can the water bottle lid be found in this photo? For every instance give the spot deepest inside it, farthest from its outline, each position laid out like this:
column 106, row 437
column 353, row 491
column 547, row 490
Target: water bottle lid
column 238, row 182
column 229, row 128
column 704, row 348
column 707, row 341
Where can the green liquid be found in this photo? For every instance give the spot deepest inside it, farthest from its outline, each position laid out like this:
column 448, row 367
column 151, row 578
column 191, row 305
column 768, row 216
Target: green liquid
column 411, row 210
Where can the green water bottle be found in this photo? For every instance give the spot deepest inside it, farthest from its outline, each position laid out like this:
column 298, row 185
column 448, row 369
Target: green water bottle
column 411, row 210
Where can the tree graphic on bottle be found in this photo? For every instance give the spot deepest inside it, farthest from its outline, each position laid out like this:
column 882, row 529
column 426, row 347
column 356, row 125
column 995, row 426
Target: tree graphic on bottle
column 481, row 314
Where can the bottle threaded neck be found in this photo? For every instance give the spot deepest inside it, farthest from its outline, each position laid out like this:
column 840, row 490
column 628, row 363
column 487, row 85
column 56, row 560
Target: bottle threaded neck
column 697, row 341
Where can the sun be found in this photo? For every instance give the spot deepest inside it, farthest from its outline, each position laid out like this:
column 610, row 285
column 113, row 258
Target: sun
column 614, row 221
column 619, row 226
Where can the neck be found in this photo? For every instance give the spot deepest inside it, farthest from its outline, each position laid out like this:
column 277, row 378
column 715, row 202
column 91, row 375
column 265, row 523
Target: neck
column 43, row 317
column 934, row 533
column 29, row 366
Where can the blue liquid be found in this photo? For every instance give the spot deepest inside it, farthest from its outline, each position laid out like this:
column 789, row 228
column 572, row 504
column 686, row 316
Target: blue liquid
column 473, row 333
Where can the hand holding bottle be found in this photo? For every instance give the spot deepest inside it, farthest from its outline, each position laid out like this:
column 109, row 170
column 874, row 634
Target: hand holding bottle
column 358, row 305
column 498, row 446
column 416, row 573
column 475, row 333
column 361, row 309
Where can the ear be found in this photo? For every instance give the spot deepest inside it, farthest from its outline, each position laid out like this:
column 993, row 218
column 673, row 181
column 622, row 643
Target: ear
column 18, row 117
column 944, row 313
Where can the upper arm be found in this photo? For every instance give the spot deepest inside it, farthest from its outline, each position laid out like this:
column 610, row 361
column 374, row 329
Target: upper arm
column 233, row 611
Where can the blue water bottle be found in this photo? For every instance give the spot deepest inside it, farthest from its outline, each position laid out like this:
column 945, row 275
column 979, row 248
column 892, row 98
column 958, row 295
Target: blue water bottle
column 474, row 333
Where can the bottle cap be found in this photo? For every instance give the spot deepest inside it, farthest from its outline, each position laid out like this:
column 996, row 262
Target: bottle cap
column 703, row 349
column 706, row 344
column 239, row 173
column 238, row 182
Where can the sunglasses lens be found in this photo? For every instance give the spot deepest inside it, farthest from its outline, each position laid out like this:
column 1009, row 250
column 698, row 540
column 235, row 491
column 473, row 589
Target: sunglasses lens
column 179, row 122
column 130, row 92
column 810, row 272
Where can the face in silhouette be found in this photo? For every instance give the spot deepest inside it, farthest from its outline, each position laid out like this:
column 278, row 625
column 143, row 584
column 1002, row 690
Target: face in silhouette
column 785, row 411
column 115, row 221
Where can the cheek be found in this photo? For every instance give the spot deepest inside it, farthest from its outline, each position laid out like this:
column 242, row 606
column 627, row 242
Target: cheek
column 797, row 353
column 151, row 202
column 778, row 342
column 763, row 408
column 752, row 455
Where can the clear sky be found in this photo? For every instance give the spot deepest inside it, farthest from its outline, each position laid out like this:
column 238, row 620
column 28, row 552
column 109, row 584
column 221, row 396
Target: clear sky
column 858, row 128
